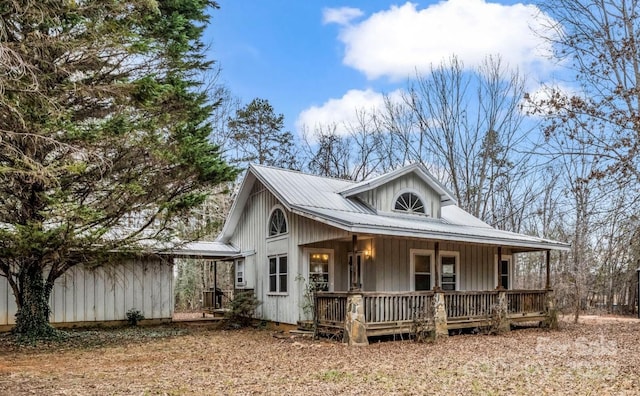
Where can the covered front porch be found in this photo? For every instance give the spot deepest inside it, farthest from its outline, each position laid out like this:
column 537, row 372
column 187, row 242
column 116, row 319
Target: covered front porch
column 360, row 314
column 435, row 289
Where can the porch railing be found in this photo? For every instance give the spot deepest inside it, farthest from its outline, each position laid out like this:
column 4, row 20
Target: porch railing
column 331, row 308
column 469, row 304
column 399, row 308
column 524, row 302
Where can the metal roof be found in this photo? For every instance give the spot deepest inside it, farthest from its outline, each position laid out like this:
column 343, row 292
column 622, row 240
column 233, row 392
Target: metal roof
column 206, row 249
column 328, row 200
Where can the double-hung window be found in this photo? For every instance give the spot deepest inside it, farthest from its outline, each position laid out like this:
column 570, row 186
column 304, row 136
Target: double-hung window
column 278, row 274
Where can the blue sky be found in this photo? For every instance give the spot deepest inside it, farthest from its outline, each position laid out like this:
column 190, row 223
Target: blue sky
column 317, row 62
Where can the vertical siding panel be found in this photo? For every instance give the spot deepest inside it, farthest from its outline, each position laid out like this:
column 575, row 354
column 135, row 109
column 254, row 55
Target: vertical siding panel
column 402, row 272
column 469, row 271
column 392, row 263
column 90, row 294
column 167, row 290
column 120, row 283
column 147, row 286
column 464, row 260
column 12, row 308
column 110, row 287
column 156, row 293
column 378, row 257
column 57, row 299
column 99, row 292
column 4, row 301
column 487, row 269
column 473, row 271
column 69, row 295
column 128, row 280
column 138, row 286
column 78, row 293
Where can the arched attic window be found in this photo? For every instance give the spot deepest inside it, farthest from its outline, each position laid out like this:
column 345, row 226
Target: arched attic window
column 277, row 223
column 410, row 203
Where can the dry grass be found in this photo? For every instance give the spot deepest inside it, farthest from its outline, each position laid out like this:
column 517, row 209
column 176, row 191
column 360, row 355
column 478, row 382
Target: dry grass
column 596, row 357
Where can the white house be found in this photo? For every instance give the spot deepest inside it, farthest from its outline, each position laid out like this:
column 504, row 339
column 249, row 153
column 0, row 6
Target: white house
column 393, row 239
column 398, row 242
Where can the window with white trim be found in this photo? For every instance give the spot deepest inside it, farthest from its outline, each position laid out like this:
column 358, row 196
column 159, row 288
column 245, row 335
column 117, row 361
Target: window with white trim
column 410, row 203
column 278, row 274
column 448, row 271
column 503, row 271
column 240, row 276
column 422, row 272
column 277, row 223
column 319, row 271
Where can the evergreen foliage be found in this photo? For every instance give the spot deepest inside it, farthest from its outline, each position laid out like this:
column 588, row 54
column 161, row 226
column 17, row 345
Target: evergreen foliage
column 104, row 138
column 257, row 131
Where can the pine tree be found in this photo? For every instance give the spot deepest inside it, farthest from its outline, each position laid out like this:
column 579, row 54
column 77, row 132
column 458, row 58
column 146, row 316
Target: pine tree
column 103, row 136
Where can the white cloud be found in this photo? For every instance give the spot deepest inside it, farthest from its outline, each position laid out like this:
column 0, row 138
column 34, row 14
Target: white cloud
column 394, row 43
column 343, row 111
column 341, row 16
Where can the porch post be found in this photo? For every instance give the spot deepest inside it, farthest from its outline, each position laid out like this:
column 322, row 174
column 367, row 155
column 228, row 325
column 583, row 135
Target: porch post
column 353, row 261
column 215, row 284
column 499, row 285
column 501, row 315
column 548, row 281
column 437, row 266
column 440, row 314
column 355, row 329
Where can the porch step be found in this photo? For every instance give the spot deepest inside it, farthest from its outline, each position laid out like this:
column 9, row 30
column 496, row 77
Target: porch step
column 305, row 325
column 301, row 333
column 216, row 312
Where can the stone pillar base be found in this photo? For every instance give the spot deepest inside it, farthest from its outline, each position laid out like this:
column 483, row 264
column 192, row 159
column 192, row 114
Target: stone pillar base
column 355, row 329
column 499, row 317
column 440, row 315
column 552, row 314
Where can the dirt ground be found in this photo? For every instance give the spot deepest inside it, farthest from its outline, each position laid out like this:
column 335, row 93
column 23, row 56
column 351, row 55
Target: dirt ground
column 598, row 356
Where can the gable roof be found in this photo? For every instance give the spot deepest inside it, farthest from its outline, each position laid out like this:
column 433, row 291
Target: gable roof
column 334, row 202
column 446, row 196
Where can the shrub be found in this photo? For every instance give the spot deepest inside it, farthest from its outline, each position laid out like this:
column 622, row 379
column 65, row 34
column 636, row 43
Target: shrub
column 134, row 316
column 241, row 310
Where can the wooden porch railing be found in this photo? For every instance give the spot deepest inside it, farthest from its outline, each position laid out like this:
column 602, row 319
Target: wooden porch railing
column 397, row 307
column 469, row 304
column 331, row 308
column 389, row 309
column 526, row 301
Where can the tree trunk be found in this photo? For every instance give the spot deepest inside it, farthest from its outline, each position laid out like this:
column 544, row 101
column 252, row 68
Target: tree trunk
column 576, row 307
column 32, row 318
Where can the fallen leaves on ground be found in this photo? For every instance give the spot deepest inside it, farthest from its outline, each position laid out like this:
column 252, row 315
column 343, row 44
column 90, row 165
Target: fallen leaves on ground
column 593, row 357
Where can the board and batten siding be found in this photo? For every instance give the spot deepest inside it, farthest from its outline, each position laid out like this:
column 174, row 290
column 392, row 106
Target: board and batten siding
column 251, row 234
column 383, row 197
column 390, row 264
column 104, row 293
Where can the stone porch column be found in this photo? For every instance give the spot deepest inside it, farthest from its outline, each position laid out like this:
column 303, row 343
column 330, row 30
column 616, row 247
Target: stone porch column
column 501, row 316
column 355, row 330
column 440, row 314
column 550, row 310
